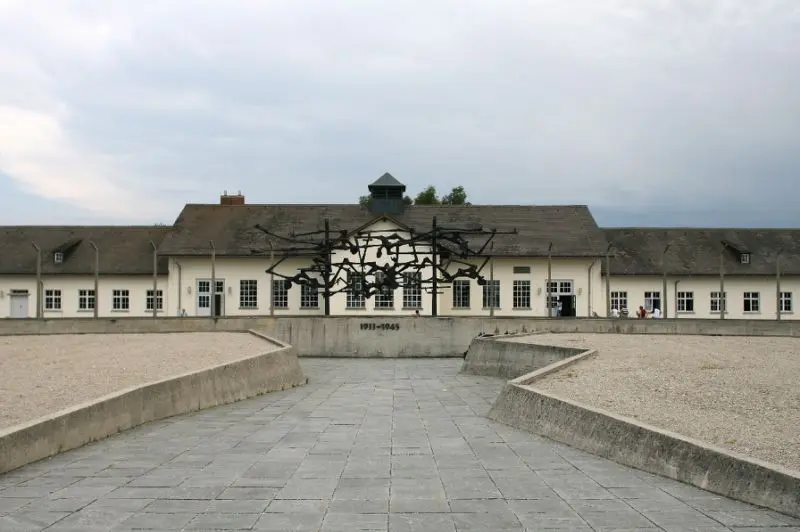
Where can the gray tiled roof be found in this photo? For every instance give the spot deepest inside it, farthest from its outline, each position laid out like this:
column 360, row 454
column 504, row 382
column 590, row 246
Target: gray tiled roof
column 639, row 251
column 572, row 229
column 124, row 250
column 387, row 180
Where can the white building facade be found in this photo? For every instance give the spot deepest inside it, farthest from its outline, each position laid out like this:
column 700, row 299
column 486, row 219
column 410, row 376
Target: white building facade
column 214, row 261
column 74, row 296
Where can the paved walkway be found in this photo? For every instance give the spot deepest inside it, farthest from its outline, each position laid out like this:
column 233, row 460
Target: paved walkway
column 398, row 445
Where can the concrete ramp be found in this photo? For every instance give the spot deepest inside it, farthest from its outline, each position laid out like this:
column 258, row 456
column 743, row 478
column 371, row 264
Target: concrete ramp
column 502, row 356
column 621, row 439
column 278, row 368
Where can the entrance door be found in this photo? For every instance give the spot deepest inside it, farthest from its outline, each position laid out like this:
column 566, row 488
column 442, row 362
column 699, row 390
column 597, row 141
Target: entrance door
column 217, row 305
column 19, row 305
column 219, row 298
column 567, row 306
column 563, row 299
column 203, row 298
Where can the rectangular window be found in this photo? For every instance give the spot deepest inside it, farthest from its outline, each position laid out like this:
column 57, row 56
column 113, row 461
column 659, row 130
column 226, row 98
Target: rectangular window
column 384, row 297
column 786, row 302
column 716, row 304
column 685, row 301
column 280, row 293
column 204, row 294
column 52, row 299
column 412, row 290
column 491, row 294
column 159, row 300
column 120, row 300
column 521, row 294
column 309, row 296
column 560, row 288
column 752, row 302
column 248, row 293
column 522, row 269
column 461, row 293
column 86, row 299
column 652, row 301
column 355, row 290
column 619, row 300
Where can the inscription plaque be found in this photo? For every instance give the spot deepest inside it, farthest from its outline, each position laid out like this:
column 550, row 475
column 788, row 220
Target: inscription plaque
column 380, row 326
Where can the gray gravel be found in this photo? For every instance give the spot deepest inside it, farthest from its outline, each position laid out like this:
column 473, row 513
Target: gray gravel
column 41, row 375
column 739, row 393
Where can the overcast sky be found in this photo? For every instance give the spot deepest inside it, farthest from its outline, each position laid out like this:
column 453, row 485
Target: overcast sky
column 657, row 112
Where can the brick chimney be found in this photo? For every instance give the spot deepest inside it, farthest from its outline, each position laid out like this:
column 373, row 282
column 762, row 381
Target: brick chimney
column 231, row 199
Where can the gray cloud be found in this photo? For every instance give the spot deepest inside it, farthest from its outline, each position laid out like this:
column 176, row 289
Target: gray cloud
column 632, row 107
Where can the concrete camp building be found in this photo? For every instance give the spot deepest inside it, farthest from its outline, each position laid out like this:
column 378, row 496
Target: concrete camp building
column 117, row 271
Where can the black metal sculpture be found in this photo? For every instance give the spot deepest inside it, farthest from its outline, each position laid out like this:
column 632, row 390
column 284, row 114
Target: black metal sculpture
column 427, row 255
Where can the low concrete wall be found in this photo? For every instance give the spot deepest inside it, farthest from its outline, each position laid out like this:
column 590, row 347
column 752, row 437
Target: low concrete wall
column 222, row 384
column 387, row 336
column 499, row 357
column 644, row 447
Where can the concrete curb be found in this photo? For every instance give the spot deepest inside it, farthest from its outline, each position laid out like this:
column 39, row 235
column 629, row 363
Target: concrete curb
column 645, row 447
column 217, row 385
column 495, row 356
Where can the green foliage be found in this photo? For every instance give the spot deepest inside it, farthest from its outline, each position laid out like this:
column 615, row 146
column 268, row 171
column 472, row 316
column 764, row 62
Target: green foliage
column 457, row 196
column 427, row 197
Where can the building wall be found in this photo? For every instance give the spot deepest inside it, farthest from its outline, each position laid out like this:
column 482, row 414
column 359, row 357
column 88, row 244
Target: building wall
column 701, row 288
column 69, row 286
column 586, row 287
column 186, row 272
column 180, row 291
column 231, row 271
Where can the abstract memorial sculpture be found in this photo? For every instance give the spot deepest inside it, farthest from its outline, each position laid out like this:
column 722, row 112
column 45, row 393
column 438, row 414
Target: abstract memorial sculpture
column 367, row 262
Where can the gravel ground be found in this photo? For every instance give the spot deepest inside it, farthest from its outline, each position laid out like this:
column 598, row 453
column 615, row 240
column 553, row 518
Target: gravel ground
column 40, row 375
column 739, row 393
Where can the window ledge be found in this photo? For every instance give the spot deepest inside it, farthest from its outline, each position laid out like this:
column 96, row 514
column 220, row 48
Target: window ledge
column 248, row 308
column 412, row 308
column 120, row 310
column 378, row 309
column 355, row 308
column 53, row 310
column 490, row 308
column 461, row 308
column 86, row 310
column 787, row 312
column 522, row 308
column 685, row 312
column 751, row 312
column 309, row 308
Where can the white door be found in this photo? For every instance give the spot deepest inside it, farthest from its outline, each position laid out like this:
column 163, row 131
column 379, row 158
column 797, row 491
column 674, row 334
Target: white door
column 19, row 305
column 203, row 298
column 219, row 301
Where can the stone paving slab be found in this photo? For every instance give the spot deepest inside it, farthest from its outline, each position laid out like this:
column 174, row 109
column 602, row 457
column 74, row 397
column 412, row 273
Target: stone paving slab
column 379, row 445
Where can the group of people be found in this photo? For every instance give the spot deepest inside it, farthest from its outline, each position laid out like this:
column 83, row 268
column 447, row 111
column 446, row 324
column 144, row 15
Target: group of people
column 641, row 313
